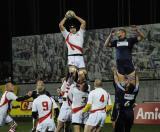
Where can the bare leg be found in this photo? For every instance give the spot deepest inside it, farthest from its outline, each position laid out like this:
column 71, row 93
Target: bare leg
column 77, row 128
column 98, row 129
column 67, row 127
column 88, row 128
column 59, row 126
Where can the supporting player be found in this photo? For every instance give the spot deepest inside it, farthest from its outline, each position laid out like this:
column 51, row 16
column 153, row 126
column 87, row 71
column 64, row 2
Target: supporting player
column 78, row 94
column 125, row 96
column 42, row 110
column 34, row 95
column 99, row 103
column 64, row 118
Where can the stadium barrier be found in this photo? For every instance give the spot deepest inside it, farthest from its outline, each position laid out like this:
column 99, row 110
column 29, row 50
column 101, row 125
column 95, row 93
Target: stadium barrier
column 147, row 113
column 144, row 113
column 24, row 109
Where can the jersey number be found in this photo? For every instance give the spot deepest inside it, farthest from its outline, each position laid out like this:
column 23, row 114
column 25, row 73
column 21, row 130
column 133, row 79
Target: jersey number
column 127, row 103
column 84, row 100
column 102, row 98
column 45, row 105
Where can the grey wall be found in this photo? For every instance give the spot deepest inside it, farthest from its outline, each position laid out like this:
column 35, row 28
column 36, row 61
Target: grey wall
column 149, row 90
column 44, row 56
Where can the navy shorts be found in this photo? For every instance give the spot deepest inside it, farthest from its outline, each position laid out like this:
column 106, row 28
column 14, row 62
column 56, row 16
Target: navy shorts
column 125, row 66
column 124, row 121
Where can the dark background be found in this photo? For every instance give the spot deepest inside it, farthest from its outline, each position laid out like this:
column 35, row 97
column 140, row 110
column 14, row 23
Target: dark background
column 27, row 17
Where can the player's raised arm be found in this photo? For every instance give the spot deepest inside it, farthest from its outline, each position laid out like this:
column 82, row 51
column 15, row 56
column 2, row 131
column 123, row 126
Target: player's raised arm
column 22, row 98
column 140, row 35
column 108, row 40
column 114, row 70
column 82, row 21
column 11, row 96
column 61, row 24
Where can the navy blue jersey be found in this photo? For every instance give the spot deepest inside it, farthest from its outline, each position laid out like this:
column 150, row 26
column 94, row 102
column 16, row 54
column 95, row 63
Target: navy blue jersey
column 124, row 47
column 125, row 99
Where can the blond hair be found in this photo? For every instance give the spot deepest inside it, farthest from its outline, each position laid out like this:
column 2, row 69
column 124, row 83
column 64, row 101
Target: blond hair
column 8, row 86
column 98, row 83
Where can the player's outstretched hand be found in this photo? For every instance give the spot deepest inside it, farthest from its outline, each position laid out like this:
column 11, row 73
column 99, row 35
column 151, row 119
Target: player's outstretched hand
column 85, row 115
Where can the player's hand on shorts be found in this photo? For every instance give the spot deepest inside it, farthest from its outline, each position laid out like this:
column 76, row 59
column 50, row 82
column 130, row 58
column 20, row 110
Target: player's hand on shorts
column 33, row 130
column 85, row 115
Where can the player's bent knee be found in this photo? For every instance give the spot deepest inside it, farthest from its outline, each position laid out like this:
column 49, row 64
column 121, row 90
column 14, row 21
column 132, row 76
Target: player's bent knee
column 60, row 124
column 87, row 128
column 82, row 74
column 83, row 70
column 72, row 69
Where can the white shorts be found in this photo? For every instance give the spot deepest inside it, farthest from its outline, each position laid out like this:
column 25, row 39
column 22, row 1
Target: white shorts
column 65, row 114
column 5, row 118
column 47, row 124
column 77, row 61
column 79, row 118
column 96, row 119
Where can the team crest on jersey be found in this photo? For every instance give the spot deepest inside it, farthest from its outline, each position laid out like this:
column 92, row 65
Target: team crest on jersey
column 124, row 43
column 129, row 96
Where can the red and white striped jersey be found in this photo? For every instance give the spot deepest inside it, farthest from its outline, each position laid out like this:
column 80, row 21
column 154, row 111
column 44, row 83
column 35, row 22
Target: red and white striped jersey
column 43, row 105
column 78, row 97
column 76, row 39
column 5, row 101
column 98, row 99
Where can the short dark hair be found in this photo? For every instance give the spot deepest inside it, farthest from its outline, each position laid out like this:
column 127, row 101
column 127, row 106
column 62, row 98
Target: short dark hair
column 123, row 30
column 85, row 86
column 130, row 88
